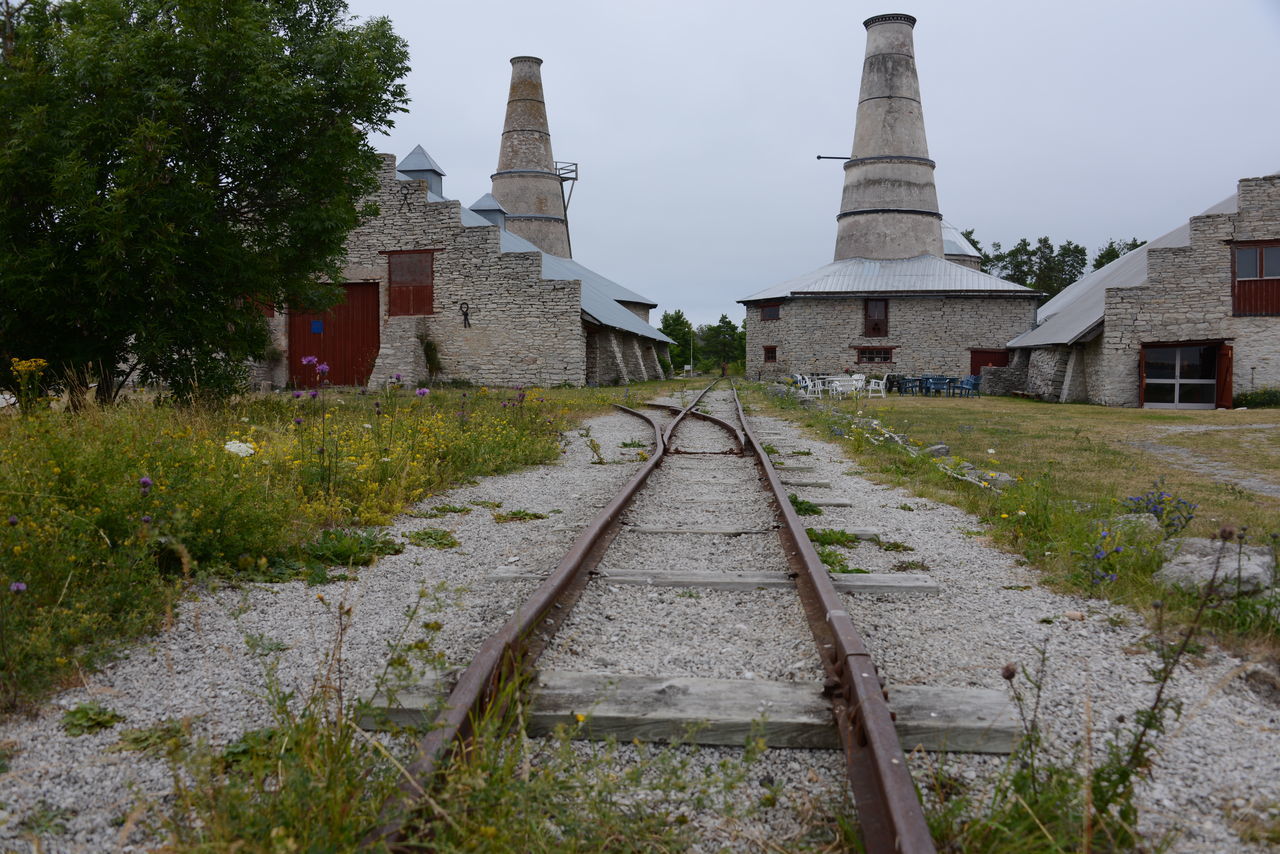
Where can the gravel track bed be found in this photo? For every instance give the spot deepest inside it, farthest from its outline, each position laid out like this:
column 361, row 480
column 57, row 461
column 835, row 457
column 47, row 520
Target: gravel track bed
column 696, row 552
column 1222, row 755
column 203, row 667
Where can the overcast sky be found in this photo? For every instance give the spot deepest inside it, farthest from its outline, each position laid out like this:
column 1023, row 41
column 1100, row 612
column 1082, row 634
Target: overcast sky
column 696, row 123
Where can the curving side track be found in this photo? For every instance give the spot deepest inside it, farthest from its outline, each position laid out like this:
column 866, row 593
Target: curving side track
column 888, row 809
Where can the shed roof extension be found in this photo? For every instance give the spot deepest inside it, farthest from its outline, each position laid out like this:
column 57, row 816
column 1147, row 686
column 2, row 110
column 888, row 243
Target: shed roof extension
column 1078, row 309
column 921, row 275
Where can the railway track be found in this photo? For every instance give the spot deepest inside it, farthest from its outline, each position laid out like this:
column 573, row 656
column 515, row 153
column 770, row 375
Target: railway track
column 708, row 497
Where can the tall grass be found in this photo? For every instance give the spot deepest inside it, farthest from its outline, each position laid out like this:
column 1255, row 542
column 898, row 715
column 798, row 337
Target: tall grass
column 105, row 514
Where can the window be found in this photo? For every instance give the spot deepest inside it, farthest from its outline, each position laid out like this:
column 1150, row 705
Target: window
column 771, row 354
column 1256, row 289
column 875, row 355
column 772, row 311
column 410, row 282
column 1181, row 377
column 875, row 318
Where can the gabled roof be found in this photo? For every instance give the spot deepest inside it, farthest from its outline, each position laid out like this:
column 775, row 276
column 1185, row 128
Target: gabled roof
column 923, row 274
column 600, row 296
column 487, row 203
column 418, row 161
column 1078, row 309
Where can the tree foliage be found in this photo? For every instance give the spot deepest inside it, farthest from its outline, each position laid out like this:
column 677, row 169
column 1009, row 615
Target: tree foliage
column 169, row 169
column 1043, row 266
column 678, row 328
column 721, row 343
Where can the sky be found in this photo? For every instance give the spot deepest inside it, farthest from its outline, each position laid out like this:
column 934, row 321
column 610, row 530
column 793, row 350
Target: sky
column 695, row 124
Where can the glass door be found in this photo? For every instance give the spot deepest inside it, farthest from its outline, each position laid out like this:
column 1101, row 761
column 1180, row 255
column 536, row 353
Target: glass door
column 1180, row 377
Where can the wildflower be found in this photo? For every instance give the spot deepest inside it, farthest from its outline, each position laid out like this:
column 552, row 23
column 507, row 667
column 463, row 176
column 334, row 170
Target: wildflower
column 1009, row 671
column 146, row 520
column 309, row 360
column 322, row 368
column 17, row 587
column 244, row 419
column 1022, row 512
column 984, row 483
column 314, row 394
column 145, row 483
column 422, row 392
column 991, row 450
column 297, row 394
column 297, row 421
column 240, row 449
column 579, row 717
column 1004, row 515
column 1099, row 555
column 1118, row 549
column 367, row 426
column 13, row 520
column 396, row 377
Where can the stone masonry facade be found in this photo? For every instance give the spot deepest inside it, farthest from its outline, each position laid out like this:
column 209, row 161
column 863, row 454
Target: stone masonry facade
column 524, row 330
column 927, row 334
column 1187, row 297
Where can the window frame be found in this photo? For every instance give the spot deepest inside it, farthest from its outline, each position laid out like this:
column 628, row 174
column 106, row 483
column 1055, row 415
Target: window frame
column 860, row 350
column 411, row 298
column 775, row 306
column 1256, row 296
column 770, row 353
column 869, row 327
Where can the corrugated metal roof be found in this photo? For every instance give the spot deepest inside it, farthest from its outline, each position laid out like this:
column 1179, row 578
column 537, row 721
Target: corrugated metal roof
column 599, row 295
column 922, row 274
column 954, row 243
column 418, row 161
column 1079, row 307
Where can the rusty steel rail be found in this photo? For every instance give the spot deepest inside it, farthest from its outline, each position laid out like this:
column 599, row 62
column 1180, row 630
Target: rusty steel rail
column 734, row 431
column 889, row 810
column 511, row 651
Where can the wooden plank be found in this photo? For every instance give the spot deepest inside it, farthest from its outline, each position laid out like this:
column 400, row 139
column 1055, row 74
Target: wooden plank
column 728, row 711
column 859, row 582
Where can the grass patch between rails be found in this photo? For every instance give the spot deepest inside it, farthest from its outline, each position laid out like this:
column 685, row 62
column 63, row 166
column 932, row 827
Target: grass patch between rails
column 107, row 515
column 519, row 516
column 1075, row 471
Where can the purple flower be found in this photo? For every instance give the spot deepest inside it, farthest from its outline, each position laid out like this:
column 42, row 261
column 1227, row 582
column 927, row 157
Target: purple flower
column 17, row 587
column 297, row 421
column 322, row 368
column 308, row 360
column 396, row 377
column 13, row 520
column 314, row 394
column 422, row 392
column 144, row 483
column 1118, row 549
column 146, row 520
column 1099, row 555
column 297, row 394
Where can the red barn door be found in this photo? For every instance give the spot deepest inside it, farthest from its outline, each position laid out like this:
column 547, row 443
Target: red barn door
column 345, row 338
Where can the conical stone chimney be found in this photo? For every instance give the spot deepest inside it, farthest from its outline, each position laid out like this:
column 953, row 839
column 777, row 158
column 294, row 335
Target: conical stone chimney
column 526, row 183
column 890, row 205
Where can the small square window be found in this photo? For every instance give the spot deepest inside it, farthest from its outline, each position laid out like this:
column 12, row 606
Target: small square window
column 875, row 355
column 771, row 312
column 1256, row 290
column 771, row 354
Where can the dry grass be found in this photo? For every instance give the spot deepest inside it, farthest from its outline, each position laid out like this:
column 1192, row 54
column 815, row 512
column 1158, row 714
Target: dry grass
column 1100, row 453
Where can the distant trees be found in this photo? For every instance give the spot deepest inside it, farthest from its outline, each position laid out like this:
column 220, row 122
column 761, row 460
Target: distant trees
column 168, row 170
column 678, row 328
column 1043, row 266
column 722, row 342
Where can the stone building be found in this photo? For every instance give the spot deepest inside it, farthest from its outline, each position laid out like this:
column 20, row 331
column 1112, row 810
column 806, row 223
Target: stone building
column 488, row 292
column 1185, row 321
column 904, row 295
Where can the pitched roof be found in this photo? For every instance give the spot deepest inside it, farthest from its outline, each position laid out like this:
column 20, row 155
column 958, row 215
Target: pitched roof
column 923, row 274
column 418, row 161
column 955, row 243
column 1079, row 307
column 487, row 203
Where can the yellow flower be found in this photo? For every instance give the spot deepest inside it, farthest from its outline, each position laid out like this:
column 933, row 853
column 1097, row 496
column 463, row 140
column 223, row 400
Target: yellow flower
column 1004, row 515
column 579, row 717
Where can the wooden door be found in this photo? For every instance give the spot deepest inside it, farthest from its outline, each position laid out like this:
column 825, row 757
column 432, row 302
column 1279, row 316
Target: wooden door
column 1225, row 367
column 979, row 359
column 345, row 338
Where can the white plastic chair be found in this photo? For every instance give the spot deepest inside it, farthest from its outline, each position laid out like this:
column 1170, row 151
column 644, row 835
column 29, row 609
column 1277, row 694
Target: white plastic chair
column 875, row 388
column 859, row 382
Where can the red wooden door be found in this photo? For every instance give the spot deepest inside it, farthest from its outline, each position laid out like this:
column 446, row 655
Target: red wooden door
column 345, row 338
column 979, row 359
column 1225, row 368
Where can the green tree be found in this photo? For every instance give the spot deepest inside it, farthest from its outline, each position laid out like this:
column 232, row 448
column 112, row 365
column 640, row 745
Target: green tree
column 678, row 328
column 1113, row 250
column 167, row 169
column 721, row 343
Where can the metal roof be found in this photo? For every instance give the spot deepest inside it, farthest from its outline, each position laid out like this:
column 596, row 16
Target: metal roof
column 487, row 203
column 418, row 161
column 600, row 296
column 954, row 243
column 1079, row 307
column 924, row 274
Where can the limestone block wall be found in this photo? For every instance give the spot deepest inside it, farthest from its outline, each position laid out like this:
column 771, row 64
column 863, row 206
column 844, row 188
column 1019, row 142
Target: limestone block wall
column 1009, row 378
column 523, row 329
column 1045, row 371
column 1187, row 297
column 929, row 334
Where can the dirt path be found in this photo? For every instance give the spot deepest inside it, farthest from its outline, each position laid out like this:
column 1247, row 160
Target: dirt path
column 1220, row 471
